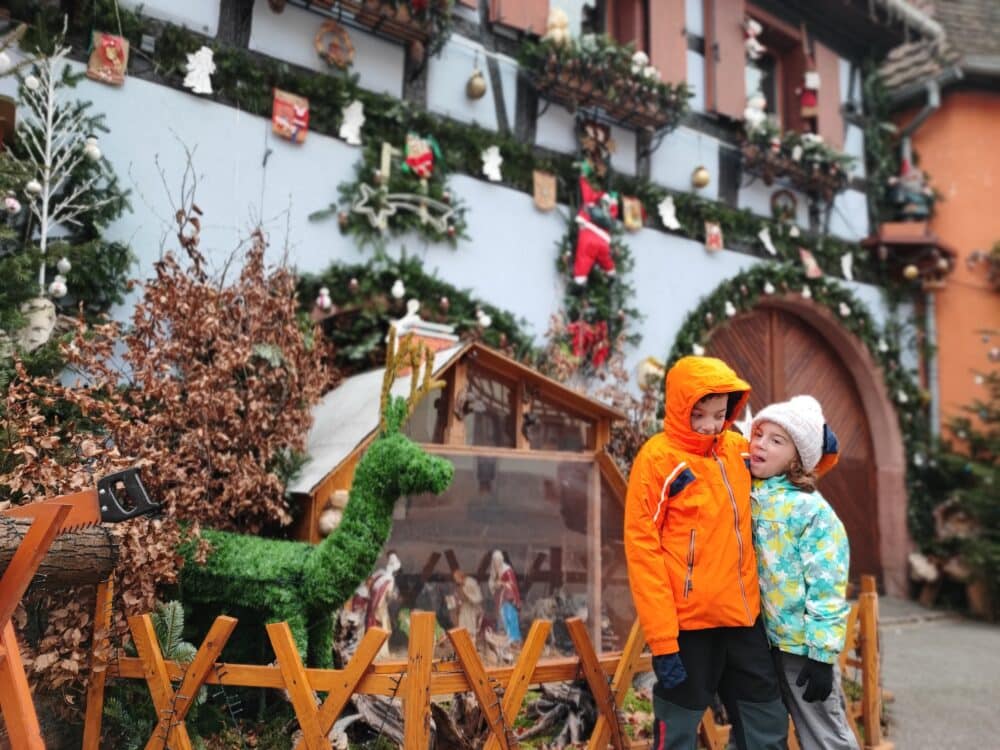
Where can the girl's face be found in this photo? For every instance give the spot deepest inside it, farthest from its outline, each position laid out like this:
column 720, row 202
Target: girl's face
column 771, row 450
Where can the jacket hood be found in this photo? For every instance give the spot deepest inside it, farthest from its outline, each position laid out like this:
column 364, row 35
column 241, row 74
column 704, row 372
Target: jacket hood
column 690, row 380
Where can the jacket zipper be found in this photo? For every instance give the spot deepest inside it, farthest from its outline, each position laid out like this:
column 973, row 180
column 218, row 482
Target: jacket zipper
column 689, row 581
column 739, row 539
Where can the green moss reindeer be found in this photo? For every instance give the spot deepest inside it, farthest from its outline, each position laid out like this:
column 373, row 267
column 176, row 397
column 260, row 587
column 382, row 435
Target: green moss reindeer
column 304, row 584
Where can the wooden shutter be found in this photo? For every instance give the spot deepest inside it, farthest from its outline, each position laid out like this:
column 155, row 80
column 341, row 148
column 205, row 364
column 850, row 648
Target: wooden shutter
column 725, row 62
column 628, row 23
column 526, row 15
column 831, row 123
column 667, row 39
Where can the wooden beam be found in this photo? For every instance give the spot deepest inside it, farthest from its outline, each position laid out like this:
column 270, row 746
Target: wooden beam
column 494, row 452
column 15, row 695
column 297, row 685
column 870, row 687
column 201, row 665
column 628, row 665
column 158, row 680
column 34, row 546
column 594, row 567
column 596, row 679
column 417, row 691
column 98, row 666
column 520, row 678
column 336, row 700
column 465, row 649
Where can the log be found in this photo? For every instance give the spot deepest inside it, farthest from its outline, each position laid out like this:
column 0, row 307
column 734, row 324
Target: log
column 77, row 558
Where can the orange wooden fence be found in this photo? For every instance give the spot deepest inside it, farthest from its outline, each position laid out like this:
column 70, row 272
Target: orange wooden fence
column 499, row 691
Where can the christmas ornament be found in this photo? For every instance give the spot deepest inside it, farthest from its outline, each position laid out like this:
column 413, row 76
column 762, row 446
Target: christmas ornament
column 11, row 204
column 483, row 319
column 544, row 190
column 911, row 272
column 698, row 350
column 31, row 83
column 353, row 117
column 700, row 177
column 668, row 213
column 475, row 87
column 755, row 113
column 918, row 459
column 343, row 220
column 902, row 398
column 57, row 289
column 491, row 163
column 323, row 301
column 713, row 236
column 793, row 231
column 751, row 42
column 333, row 44
column 34, row 187
column 378, row 206
column 844, row 309
column 813, row 271
column 398, row 289
column 108, row 58
column 765, row 237
column 768, row 288
column 444, row 303
column 5, row 63
column 994, row 354
column 597, row 146
column 419, row 154
column 633, row 213
column 709, row 317
column 744, row 290
column 200, row 67
column 290, row 116
column 557, row 28
column 595, row 220
column 883, row 346
column 91, row 150
column 847, row 266
column 730, row 309
column 64, row 266
column 797, row 152
column 650, row 373
column 806, row 293
column 978, row 380
column 353, row 285
column 590, row 338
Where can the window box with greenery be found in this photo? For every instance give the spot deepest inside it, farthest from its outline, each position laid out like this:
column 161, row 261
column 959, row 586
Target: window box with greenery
column 801, row 160
column 416, row 22
column 596, row 71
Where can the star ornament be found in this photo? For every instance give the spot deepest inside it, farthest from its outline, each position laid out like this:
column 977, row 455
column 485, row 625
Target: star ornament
column 377, row 215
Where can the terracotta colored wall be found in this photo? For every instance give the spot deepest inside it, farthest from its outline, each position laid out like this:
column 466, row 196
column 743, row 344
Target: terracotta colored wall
column 959, row 147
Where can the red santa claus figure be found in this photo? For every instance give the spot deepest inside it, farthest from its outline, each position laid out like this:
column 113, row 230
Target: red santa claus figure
column 595, row 220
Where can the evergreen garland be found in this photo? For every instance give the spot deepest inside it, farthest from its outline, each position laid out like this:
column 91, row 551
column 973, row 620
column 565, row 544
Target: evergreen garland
column 744, row 290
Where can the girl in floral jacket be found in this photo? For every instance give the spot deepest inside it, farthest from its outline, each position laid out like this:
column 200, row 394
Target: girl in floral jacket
column 802, row 559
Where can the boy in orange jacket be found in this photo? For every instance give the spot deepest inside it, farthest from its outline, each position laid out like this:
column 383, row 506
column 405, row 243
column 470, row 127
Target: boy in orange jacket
column 692, row 568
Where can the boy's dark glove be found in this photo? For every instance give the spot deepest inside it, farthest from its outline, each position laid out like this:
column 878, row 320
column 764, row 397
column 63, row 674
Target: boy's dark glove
column 819, row 675
column 669, row 670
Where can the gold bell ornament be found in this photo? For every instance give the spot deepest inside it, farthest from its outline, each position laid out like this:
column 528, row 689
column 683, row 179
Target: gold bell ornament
column 700, row 177
column 475, row 87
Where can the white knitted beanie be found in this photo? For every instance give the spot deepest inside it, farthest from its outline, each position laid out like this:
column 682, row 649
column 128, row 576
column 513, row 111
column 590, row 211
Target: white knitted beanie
column 802, row 418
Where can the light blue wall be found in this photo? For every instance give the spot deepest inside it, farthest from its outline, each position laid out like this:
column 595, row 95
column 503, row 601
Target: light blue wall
column 680, row 153
column 289, row 36
column 448, row 73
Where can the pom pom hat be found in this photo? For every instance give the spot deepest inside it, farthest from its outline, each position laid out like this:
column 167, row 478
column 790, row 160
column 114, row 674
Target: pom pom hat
column 802, row 418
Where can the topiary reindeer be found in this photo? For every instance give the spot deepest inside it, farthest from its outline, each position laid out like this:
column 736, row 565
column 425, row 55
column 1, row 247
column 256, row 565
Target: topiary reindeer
column 304, row 584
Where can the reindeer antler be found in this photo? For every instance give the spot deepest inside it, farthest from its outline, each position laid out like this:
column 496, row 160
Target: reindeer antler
column 400, row 355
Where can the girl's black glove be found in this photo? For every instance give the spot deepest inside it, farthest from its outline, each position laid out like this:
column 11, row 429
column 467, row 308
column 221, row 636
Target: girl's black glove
column 819, row 675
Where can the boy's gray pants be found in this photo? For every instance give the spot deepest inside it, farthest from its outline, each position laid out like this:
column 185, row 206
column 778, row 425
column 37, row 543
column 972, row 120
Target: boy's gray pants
column 822, row 725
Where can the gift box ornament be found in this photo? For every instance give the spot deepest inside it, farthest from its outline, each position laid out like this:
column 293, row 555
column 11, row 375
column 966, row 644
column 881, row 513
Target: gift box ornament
column 290, row 116
column 108, row 59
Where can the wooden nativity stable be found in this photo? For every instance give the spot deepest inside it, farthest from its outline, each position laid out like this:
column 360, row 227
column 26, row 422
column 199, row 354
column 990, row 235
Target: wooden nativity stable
column 532, row 478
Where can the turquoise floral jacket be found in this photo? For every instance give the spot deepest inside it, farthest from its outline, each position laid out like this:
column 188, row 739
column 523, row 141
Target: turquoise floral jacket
column 802, row 558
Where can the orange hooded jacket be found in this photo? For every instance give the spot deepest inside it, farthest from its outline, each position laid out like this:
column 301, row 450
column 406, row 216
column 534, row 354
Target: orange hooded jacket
column 691, row 562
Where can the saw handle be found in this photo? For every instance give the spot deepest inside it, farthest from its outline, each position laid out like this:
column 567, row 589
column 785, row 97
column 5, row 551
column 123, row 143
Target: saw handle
column 122, row 496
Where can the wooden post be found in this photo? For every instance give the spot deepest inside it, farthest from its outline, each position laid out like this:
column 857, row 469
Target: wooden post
column 297, row 685
column 871, row 689
column 620, row 683
column 155, row 672
column 15, row 696
column 520, row 678
column 592, row 672
column 336, row 699
column 98, row 666
column 417, row 700
column 479, row 681
column 594, row 555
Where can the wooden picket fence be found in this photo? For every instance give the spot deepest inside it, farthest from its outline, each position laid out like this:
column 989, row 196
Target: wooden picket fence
column 499, row 691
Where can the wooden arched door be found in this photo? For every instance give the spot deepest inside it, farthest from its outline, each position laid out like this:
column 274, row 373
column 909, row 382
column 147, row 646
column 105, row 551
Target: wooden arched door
column 781, row 356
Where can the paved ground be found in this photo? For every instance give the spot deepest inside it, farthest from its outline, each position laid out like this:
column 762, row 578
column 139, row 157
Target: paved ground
column 945, row 674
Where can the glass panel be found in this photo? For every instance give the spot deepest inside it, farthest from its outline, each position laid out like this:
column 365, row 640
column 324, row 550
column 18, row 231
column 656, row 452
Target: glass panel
column 616, row 596
column 426, row 424
column 531, row 516
column 551, row 427
column 489, row 410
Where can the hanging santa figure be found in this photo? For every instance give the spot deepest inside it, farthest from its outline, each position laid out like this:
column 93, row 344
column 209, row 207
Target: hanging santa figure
column 595, row 220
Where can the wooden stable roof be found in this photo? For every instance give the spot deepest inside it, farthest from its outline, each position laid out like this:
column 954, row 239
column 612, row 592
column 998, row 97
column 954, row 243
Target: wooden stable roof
column 346, row 418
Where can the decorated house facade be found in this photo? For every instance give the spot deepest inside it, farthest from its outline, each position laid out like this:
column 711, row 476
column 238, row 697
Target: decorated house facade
column 662, row 178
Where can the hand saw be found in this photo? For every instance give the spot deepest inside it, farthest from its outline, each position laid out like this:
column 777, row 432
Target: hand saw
column 119, row 497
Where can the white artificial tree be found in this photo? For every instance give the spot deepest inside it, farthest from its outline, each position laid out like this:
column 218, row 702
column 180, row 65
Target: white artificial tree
column 56, row 141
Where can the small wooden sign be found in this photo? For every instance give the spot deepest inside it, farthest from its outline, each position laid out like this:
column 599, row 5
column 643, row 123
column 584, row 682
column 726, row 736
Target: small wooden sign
column 545, row 190
column 290, row 116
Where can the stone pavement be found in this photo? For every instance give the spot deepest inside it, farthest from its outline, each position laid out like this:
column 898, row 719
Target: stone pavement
column 944, row 671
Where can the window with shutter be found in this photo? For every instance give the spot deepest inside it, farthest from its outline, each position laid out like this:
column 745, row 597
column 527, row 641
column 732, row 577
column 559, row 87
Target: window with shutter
column 831, row 122
column 525, row 15
column 725, row 90
column 668, row 39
